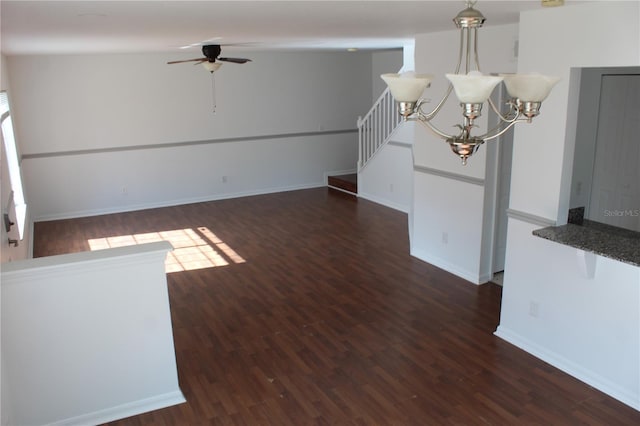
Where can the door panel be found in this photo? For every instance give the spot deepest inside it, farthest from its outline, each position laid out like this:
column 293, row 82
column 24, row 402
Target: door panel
column 615, row 197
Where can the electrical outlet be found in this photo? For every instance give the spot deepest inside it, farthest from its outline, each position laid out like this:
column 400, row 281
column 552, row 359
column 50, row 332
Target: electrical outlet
column 445, row 238
column 225, row 179
column 125, row 190
column 390, row 187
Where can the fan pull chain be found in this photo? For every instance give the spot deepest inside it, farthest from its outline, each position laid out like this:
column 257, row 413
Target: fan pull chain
column 213, row 92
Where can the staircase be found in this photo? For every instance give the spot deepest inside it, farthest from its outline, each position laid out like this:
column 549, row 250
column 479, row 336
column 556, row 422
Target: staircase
column 376, row 127
column 346, row 183
column 374, row 131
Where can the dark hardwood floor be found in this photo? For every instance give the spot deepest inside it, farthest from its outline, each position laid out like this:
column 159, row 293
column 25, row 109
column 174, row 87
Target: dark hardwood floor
column 329, row 321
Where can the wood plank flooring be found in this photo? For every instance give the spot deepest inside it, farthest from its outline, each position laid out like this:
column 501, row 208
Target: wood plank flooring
column 330, row 321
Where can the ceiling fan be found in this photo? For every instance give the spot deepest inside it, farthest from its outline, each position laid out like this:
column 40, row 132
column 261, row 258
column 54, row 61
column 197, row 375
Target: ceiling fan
column 212, row 54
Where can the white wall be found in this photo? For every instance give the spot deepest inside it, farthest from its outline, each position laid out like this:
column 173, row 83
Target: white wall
column 79, row 116
column 387, row 178
column 130, row 180
column 588, row 327
column 87, row 337
column 564, row 44
column 382, row 62
column 449, row 199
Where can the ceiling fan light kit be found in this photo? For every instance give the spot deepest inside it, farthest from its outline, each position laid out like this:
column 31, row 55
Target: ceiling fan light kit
column 211, row 66
column 211, row 58
column 211, row 62
column 473, row 89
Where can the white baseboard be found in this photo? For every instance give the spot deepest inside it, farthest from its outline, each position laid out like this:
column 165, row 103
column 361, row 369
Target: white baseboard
column 170, row 203
column 587, row 376
column 449, row 267
column 342, row 190
column 485, row 278
column 125, row 410
column 386, row 203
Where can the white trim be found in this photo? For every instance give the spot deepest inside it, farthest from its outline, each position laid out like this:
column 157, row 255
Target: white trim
column 485, row 278
column 30, row 248
column 386, row 203
column 530, row 218
column 125, row 410
column 473, row 278
column 48, row 266
column 181, row 144
column 449, row 175
column 342, row 190
column 171, row 203
column 587, row 376
column 401, row 144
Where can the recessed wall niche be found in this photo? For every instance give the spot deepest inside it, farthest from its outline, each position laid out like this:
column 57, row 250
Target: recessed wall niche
column 606, row 163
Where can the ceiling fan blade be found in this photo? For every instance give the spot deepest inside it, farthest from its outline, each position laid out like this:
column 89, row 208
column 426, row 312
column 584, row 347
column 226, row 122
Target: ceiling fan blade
column 187, row 60
column 235, row 60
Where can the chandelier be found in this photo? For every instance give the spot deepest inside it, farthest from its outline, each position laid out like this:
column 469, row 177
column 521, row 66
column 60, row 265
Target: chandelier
column 473, row 89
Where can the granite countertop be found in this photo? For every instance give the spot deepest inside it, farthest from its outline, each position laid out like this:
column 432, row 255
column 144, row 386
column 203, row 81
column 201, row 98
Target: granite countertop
column 604, row 240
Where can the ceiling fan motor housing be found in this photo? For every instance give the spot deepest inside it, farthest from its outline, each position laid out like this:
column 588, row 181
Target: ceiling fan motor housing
column 211, row 51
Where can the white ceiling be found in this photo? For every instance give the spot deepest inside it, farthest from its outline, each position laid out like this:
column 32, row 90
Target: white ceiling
column 81, row 27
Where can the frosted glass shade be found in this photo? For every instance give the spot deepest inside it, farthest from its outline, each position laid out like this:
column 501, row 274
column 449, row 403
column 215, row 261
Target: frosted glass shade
column 529, row 87
column 473, row 88
column 407, row 87
column 211, row 66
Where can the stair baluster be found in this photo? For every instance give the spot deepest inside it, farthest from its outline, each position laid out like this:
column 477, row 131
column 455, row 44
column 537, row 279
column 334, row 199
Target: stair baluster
column 376, row 127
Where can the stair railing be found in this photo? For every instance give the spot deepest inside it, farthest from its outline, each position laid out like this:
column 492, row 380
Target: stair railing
column 375, row 128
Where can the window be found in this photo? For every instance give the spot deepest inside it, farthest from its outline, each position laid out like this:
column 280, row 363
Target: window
column 13, row 164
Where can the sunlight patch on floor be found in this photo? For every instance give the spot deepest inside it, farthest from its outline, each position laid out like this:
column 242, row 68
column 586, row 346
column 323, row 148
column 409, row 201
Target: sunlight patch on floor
column 192, row 249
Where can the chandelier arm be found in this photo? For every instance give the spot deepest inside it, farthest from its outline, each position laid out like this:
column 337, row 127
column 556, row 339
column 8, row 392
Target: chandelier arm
column 428, row 116
column 488, row 136
column 511, row 115
column 433, row 129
